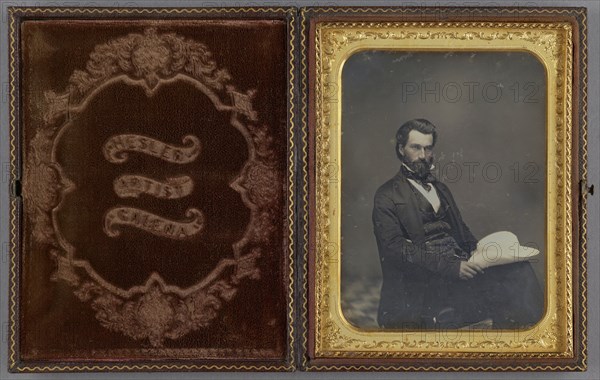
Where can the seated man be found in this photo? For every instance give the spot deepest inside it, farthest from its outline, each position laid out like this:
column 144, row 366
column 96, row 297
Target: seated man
column 424, row 247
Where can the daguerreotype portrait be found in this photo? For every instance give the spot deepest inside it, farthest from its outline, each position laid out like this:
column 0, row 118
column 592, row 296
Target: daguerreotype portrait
column 443, row 188
column 443, row 210
column 155, row 207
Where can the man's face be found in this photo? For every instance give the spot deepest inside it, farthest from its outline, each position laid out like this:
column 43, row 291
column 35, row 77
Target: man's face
column 417, row 154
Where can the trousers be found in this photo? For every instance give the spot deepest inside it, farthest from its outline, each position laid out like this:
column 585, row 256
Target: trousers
column 508, row 294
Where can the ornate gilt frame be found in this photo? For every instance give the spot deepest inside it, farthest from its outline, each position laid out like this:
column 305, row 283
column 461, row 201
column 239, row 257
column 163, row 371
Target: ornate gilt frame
column 557, row 342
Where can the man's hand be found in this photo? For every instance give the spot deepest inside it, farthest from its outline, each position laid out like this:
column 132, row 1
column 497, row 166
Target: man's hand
column 469, row 270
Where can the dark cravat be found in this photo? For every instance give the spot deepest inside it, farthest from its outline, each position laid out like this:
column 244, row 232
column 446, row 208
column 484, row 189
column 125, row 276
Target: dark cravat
column 424, row 181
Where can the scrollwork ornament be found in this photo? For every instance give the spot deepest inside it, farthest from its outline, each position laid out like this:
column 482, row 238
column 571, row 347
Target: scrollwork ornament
column 154, row 311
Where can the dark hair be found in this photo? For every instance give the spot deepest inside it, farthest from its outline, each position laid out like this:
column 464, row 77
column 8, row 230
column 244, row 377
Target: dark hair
column 420, row 125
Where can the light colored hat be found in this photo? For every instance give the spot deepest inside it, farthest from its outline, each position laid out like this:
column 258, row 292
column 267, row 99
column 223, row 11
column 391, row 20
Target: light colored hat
column 501, row 248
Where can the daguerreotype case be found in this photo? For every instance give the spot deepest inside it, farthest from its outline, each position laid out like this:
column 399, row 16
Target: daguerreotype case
column 279, row 189
column 153, row 213
column 446, row 175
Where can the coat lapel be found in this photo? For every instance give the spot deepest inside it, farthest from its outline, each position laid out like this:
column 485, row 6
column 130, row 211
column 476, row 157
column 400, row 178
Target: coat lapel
column 447, row 197
column 406, row 209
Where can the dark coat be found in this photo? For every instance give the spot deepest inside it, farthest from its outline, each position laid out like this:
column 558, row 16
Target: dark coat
column 408, row 271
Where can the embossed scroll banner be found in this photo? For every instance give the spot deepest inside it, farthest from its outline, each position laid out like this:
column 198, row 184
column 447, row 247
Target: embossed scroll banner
column 155, row 191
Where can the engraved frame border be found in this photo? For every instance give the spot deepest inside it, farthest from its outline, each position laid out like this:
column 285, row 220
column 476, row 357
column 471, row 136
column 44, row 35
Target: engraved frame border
column 16, row 14
column 331, row 343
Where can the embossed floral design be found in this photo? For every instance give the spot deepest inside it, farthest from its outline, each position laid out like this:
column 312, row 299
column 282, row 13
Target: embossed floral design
column 155, row 311
column 150, row 57
column 154, row 314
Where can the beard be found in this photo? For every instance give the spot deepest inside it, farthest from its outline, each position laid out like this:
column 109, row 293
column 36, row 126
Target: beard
column 421, row 167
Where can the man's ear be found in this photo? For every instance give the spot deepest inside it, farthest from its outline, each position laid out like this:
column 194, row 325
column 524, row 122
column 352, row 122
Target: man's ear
column 400, row 150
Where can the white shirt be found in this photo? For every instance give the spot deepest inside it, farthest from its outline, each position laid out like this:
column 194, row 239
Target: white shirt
column 431, row 195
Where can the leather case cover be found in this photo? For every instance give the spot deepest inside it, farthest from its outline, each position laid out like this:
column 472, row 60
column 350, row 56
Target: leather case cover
column 154, row 221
